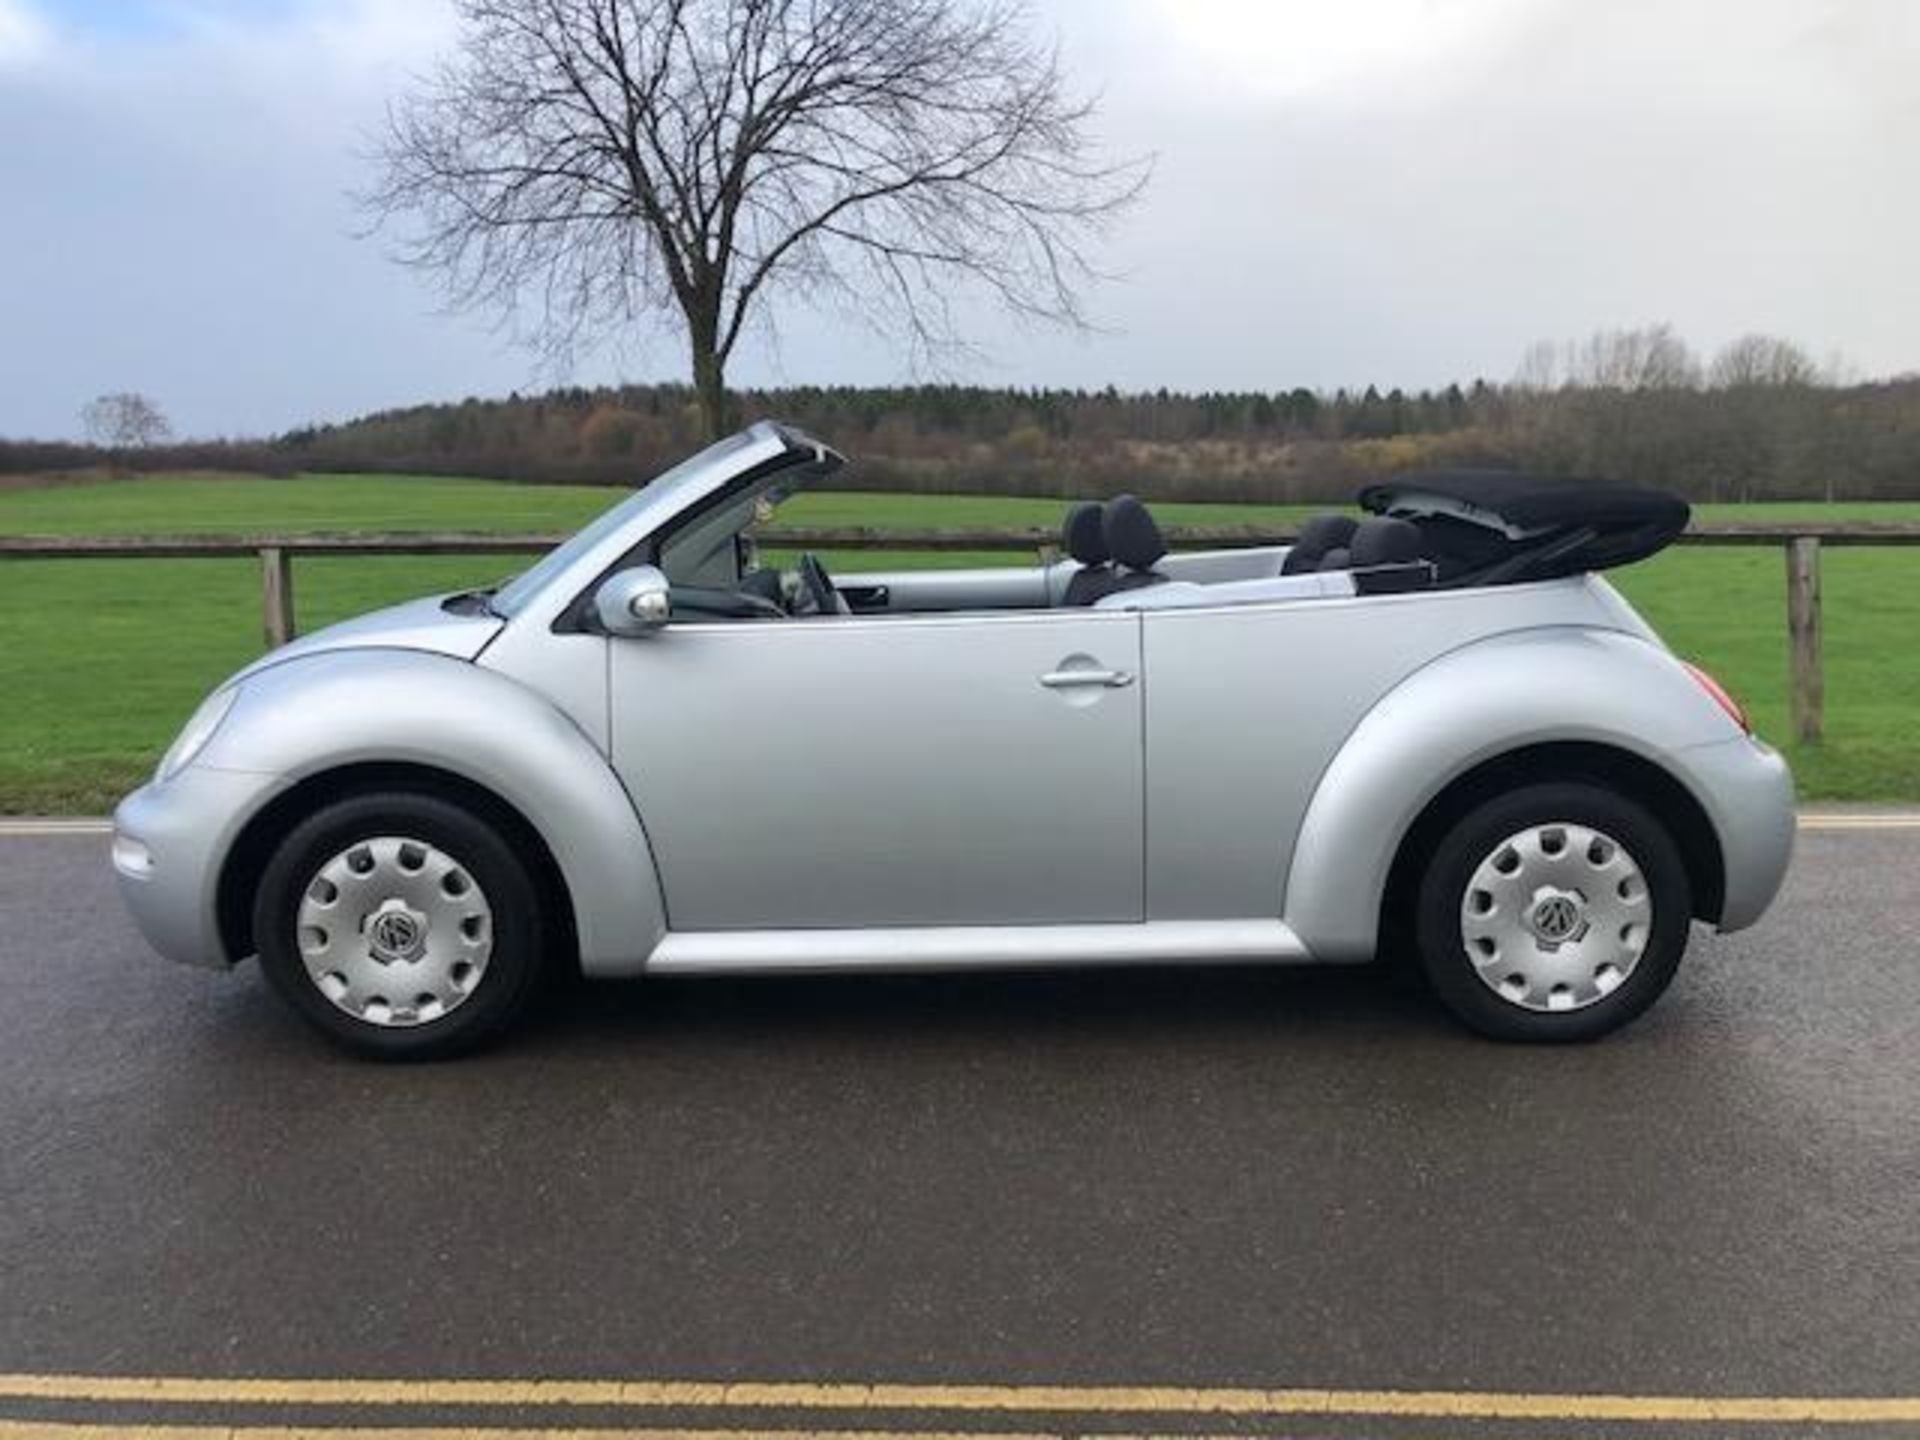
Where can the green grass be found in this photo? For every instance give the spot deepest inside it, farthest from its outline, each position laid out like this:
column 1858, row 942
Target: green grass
column 211, row 504
column 233, row 505
column 197, row 505
column 100, row 661
column 1726, row 610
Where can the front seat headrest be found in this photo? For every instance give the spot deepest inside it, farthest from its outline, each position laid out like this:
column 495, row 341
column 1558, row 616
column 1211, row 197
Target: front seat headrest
column 1085, row 535
column 1385, row 540
column 1318, row 536
column 1132, row 537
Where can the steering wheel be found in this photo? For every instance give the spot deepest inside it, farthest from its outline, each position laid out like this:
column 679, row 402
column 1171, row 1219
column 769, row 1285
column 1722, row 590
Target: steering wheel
column 820, row 589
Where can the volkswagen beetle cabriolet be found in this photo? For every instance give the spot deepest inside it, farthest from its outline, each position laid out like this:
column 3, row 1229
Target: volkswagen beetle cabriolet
column 1430, row 730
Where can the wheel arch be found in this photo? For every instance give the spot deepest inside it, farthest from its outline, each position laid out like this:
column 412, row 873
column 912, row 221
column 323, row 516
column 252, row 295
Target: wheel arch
column 1560, row 701
column 334, row 723
column 1607, row 766
column 247, row 858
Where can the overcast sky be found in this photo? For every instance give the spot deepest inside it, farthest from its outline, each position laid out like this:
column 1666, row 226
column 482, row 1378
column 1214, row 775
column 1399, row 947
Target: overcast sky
column 1395, row 191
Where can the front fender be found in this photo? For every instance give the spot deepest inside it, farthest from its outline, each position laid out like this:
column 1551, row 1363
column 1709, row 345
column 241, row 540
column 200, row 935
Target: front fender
column 325, row 711
column 1483, row 700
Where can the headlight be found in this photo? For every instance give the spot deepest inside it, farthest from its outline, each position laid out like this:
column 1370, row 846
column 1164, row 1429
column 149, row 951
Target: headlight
column 198, row 730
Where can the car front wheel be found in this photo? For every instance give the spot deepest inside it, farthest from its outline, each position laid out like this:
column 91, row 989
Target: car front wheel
column 400, row 925
column 1554, row 912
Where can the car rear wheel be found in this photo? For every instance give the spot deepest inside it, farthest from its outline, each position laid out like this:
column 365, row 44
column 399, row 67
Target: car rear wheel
column 1553, row 912
column 400, row 925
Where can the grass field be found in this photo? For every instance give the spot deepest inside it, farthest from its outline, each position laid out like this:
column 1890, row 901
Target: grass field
column 100, row 661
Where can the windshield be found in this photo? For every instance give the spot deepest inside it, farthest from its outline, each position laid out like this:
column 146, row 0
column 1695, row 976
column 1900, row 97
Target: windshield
column 707, row 549
column 531, row 581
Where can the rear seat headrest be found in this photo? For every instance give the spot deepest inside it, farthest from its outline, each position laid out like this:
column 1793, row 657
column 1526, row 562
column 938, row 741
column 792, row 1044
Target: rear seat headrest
column 1318, row 536
column 1085, row 534
column 1335, row 559
column 1384, row 540
column 1132, row 538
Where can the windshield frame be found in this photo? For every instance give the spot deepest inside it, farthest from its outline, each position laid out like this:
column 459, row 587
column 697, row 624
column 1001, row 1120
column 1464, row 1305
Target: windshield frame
column 549, row 592
column 515, row 595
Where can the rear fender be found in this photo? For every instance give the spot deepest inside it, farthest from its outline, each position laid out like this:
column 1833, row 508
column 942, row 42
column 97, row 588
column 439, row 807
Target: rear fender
column 1524, row 688
column 322, row 712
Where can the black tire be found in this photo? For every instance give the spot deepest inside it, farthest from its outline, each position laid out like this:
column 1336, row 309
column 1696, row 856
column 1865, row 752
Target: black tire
column 1442, row 943
column 513, row 968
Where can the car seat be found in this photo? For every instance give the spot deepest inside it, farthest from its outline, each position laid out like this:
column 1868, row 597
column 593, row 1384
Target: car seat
column 1084, row 537
column 1318, row 538
column 1135, row 543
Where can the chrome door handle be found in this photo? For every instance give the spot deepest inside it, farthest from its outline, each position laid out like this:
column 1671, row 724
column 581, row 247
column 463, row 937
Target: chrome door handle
column 1075, row 679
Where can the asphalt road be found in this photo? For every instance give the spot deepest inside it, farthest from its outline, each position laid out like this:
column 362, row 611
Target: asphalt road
column 1198, row 1179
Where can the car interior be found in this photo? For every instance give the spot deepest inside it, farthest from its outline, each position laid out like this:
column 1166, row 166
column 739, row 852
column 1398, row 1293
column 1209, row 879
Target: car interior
column 1115, row 557
column 1435, row 529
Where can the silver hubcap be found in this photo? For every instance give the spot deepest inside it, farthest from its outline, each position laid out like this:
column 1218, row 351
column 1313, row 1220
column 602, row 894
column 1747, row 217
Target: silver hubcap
column 394, row 931
column 1556, row 917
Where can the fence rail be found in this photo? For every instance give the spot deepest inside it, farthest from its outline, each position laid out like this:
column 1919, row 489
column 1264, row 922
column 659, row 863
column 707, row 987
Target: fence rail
column 798, row 537
column 1801, row 544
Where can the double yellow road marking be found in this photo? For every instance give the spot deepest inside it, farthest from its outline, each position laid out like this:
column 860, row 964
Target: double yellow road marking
column 1087, row 1406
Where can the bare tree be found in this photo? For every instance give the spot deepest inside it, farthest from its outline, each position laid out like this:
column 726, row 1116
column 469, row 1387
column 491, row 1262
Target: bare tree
column 579, row 164
column 124, row 420
column 1651, row 357
column 1762, row 360
column 1767, row 420
column 1539, row 367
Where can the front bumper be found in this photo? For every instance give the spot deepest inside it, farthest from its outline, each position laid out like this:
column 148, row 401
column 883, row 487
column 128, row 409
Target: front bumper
column 1748, row 793
column 169, row 840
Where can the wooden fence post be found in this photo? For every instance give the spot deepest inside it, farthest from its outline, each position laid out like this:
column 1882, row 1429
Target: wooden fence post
column 276, row 587
column 1803, row 637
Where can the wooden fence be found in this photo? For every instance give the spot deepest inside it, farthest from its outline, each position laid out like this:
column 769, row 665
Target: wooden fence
column 1801, row 544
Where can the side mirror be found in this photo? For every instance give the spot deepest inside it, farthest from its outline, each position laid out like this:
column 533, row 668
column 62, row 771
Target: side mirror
column 634, row 602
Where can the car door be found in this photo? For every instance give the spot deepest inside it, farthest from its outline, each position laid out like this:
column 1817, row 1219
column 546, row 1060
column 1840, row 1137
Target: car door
column 845, row 771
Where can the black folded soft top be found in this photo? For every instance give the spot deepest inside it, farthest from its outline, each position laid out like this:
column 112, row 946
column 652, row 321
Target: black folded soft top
column 1483, row 527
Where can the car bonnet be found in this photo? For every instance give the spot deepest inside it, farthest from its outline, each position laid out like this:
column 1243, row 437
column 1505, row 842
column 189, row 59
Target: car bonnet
column 427, row 625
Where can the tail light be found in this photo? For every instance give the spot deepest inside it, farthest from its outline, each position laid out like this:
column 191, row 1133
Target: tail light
column 1720, row 696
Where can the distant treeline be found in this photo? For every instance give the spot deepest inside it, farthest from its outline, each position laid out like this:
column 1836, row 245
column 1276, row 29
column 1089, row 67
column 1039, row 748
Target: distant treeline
column 56, row 457
column 1627, row 405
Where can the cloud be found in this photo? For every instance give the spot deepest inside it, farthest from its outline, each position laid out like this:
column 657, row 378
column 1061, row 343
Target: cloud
column 179, row 222
column 1406, row 199
column 1303, row 48
column 24, row 35
column 1557, row 168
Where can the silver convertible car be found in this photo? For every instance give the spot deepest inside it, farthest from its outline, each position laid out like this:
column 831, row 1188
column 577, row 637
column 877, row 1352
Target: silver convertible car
column 1430, row 730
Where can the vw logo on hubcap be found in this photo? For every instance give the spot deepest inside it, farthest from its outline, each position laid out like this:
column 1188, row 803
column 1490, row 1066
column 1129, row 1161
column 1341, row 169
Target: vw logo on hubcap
column 396, row 933
column 1556, row 918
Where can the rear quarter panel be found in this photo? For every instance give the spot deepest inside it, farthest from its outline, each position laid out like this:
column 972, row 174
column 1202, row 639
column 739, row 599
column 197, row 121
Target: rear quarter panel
column 1487, row 698
column 1258, row 717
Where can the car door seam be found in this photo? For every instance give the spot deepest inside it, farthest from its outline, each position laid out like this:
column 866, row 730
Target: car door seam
column 1140, row 669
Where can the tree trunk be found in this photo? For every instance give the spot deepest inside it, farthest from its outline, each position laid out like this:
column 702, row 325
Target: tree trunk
column 710, row 377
